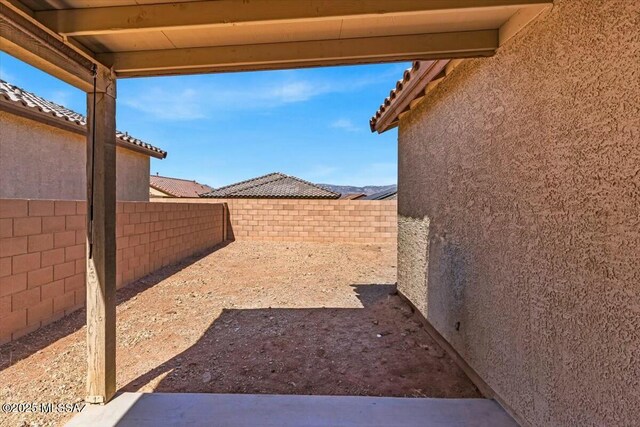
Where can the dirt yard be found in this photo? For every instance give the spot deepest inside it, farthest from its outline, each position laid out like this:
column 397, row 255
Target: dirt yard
column 249, row 317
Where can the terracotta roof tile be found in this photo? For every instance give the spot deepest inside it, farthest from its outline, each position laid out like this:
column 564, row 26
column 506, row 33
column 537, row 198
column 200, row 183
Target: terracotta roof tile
column 411, row 86
column 41, row 108
column 178, row 187
column 274, row 185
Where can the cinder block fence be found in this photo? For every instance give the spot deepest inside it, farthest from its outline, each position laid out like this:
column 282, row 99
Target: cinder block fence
column 42, row 252
column 42, row 242
column 311, row 220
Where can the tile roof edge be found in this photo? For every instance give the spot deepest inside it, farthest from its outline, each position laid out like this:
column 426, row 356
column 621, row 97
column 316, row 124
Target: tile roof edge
column 157, row 187
column 60, row 120
column 314, row 185
column 164, row 190
column 280, row 176
column 413, row 82
column 173, row 193
column 177, row 179
column 152, row 150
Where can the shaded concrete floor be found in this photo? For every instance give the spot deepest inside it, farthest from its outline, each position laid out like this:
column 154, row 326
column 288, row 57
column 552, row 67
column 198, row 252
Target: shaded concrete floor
column 236, row 410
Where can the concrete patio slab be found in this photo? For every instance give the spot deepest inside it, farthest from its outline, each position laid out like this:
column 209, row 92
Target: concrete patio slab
column 250, row 410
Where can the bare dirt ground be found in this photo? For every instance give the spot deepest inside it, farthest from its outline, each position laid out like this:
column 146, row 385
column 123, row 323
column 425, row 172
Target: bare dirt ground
column 249, row 317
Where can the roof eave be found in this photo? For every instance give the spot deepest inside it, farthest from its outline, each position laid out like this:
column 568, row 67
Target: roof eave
column 142, row 150
column 163, row 190
column 22, row 110
column 412, row 86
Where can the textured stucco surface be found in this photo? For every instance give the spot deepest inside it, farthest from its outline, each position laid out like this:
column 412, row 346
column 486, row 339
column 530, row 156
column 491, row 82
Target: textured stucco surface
column 132, row 175
column 413, row 260
column 527, row 168
column 38, row 161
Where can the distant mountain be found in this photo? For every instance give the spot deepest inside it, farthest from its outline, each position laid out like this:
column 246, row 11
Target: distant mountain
column 347, row 189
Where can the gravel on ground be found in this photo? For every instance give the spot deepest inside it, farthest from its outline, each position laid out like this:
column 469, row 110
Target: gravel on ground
column 247, row 317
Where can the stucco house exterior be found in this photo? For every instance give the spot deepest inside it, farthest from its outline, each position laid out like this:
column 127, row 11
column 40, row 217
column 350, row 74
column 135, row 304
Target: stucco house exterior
column 518, row 207
column 43, row 152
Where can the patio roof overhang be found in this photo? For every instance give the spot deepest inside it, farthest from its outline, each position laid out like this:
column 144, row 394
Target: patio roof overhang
column 90, row 47
column 168, row 37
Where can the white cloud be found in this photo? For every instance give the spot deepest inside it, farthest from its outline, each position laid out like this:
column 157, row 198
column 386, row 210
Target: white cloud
column 291, row 92
column 178, row 100
column 320, row 172
column 166, row 104
column 345, row 124
column 60, row 97
column 8, row 77
column 380, row 173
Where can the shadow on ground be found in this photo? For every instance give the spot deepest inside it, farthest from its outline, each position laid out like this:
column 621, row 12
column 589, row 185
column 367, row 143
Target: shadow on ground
column 23, row 347
column 377, row 350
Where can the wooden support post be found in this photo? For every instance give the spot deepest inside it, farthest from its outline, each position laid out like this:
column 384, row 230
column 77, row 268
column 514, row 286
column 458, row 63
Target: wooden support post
column 101, row 244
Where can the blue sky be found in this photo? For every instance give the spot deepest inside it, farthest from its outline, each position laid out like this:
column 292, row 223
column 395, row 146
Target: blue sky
column 223, row 128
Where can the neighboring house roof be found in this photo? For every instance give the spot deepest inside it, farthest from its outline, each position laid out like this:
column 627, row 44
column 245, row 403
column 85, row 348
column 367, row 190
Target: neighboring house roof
column 390, row 194
column 177, row 187
column 18, row 101
column 411, row 87
column 274, row 185
column 352, row 196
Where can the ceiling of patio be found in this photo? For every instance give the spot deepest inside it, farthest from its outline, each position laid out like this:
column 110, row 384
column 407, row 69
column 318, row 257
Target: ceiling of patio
column 161, row 37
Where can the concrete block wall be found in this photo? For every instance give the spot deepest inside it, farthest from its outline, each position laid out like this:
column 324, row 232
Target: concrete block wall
column 311, row 220
column 42, row 252
column 350, row 221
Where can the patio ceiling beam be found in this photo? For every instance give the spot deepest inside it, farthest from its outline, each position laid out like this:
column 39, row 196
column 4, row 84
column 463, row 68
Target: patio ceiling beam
column 303, row 54
column 180, row 15
column 21, row 38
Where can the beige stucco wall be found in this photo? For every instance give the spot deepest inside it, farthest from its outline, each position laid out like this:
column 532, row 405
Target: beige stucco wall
column 132, row 175
column 38, row 161
column 519, row 203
